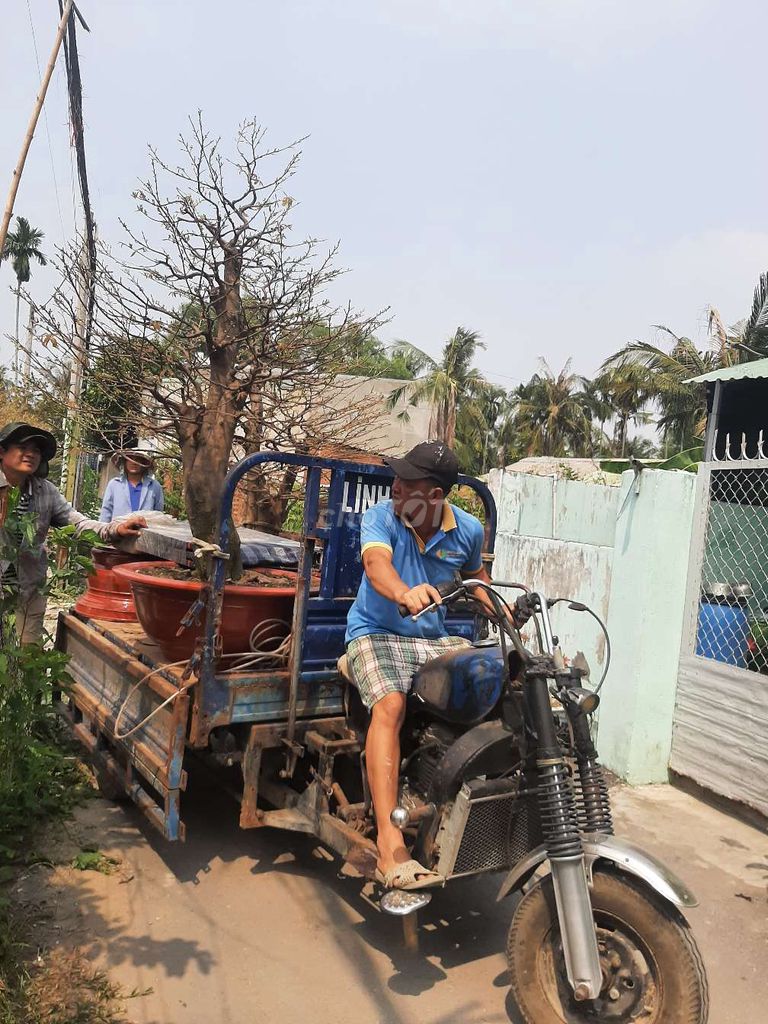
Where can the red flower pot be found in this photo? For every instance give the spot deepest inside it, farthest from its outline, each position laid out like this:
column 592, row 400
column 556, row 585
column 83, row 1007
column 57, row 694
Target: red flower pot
column 108, row 596
column 162, row 603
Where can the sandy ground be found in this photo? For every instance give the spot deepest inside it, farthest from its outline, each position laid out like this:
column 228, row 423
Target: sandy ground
column 234, row 927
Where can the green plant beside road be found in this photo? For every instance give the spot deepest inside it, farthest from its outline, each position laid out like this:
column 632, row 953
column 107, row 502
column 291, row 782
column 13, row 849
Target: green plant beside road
column 39, row 779
column 34, row 776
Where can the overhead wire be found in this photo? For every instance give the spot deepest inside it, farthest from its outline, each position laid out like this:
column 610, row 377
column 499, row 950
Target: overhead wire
column 47, row 128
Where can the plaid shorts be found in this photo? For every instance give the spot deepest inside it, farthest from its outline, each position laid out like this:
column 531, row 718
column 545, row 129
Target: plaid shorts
column 383, row 663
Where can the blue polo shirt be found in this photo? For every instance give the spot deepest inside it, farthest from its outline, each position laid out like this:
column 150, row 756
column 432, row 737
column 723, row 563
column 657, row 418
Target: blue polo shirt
column 457, row 545
column 134, row 492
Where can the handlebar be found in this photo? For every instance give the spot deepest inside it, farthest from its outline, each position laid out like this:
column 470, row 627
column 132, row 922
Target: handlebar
column 456, row 589
column 449, row 591
column 511, row 619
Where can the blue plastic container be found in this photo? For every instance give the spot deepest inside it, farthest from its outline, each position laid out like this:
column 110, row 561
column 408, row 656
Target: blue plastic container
column 723, row 633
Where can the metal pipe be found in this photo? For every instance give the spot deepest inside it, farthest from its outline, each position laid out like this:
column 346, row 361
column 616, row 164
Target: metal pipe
column 543, row 613
column 714, row 415
column 577, row 926
column 303, row 583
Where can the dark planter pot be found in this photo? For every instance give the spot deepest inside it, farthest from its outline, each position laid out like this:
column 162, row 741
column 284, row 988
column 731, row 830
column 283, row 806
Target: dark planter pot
column 108, row 596
column 162, row 603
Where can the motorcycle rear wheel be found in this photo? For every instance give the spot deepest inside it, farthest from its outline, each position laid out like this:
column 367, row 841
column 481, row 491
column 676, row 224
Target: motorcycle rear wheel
column 652, row 969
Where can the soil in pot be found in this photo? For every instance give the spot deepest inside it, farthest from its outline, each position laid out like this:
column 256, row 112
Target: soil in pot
column 162, row 600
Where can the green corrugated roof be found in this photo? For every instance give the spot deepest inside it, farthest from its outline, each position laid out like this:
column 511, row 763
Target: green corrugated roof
column 742, row 371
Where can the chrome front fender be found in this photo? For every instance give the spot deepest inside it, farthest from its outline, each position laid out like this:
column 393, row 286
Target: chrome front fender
column 624, row 855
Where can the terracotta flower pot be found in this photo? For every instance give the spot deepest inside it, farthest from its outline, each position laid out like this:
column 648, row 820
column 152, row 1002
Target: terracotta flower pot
column 108, row 596
column 161, row 604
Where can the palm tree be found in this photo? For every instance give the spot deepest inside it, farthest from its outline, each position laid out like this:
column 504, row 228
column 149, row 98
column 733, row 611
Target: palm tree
column 625, row 391
column 662, row 376
column 552, row 413
column 749, row 338
column 442, row 384
column 22, row 246
column 483, row 435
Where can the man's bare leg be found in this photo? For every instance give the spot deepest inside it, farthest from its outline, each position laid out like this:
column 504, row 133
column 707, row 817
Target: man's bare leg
column 382, row 759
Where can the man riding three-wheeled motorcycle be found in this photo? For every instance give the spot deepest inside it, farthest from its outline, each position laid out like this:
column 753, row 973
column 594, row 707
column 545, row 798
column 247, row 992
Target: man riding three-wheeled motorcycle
column 422, row 722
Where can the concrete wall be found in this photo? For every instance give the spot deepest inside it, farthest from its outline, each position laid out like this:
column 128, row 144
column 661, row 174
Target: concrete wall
column 384, row 430
column 557, row 535
column 624, row 552
column 645, row 620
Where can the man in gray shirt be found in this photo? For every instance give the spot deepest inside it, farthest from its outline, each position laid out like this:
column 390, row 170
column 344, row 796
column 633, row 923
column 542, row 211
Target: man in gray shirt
column 25, row 452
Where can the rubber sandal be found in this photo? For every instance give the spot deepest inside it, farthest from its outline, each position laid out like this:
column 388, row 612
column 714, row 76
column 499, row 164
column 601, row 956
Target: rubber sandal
column 406, row 876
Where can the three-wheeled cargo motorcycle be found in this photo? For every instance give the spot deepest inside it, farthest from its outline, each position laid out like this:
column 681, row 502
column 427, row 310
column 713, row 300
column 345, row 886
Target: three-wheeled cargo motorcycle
column 499, row 771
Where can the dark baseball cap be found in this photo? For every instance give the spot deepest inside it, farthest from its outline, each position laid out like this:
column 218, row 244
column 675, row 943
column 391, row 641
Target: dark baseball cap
column 432, row 460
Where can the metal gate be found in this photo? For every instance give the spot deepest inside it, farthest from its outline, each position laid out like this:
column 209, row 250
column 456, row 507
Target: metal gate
column 720, row 733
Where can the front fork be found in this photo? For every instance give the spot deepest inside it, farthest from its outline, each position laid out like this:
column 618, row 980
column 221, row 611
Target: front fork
column 564, row 848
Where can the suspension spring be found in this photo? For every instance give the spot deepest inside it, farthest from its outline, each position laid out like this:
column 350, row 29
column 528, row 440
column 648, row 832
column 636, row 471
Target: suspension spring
column 593, row 805
column 559, row 824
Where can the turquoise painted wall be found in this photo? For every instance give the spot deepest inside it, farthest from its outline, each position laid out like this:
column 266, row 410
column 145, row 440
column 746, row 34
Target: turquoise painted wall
column 557, row 535
column 626, row 555
column 645, row 620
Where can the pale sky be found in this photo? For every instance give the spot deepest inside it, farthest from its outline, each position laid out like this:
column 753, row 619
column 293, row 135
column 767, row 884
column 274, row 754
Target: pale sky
column 557, row 175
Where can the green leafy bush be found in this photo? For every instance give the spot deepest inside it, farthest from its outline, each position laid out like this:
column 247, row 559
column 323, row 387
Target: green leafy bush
column 36, row 779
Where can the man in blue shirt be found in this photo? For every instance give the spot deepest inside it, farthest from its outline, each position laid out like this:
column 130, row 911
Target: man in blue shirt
column 134, row 490
column 410, row 543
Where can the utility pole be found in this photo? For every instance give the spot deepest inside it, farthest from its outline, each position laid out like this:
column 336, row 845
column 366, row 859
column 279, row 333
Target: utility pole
column 28, row 352
column 72, row 431
column 68, row 6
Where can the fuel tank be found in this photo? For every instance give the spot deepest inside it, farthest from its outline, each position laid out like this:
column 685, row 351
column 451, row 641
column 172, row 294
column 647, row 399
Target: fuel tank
column 462, row 686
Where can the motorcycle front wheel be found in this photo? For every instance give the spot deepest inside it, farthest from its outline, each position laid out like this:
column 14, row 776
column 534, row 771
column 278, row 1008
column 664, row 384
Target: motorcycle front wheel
column 652, row 969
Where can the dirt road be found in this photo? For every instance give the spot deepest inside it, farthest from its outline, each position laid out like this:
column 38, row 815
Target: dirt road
column 247, row 927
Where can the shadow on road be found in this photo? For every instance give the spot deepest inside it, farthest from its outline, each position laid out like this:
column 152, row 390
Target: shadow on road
column 461, row 925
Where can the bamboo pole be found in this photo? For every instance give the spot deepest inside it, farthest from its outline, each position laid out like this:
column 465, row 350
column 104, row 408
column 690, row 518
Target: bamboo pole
column 33, row 123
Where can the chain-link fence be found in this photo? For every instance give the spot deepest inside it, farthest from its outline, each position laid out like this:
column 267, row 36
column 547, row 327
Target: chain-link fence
column 733, row 589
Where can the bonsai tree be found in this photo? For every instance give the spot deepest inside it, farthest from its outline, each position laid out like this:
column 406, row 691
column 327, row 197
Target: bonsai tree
column 215, row 314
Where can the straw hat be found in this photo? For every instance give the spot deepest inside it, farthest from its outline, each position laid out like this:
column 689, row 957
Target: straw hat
column 142, row 458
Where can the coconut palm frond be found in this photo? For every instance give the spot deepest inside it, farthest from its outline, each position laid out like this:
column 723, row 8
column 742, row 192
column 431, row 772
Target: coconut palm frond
column 396, row 396
column 418, row 361
column 755, row 332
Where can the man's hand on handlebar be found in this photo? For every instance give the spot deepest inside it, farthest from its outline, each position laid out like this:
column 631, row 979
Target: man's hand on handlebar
column 522, row 611
column 418, row 598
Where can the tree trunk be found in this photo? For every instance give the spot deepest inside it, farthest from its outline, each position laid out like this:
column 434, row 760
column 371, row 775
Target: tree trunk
column 206, row 434
column 442, row 423
column 264, row 507
column 265, row 492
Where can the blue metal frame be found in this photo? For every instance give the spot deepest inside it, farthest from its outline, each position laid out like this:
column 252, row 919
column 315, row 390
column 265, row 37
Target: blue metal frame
column 319, row 618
